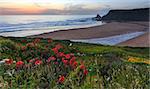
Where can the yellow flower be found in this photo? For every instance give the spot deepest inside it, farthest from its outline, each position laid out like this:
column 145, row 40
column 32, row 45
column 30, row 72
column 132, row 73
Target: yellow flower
column 131, row 59
column 147, row 61
column 138, row 60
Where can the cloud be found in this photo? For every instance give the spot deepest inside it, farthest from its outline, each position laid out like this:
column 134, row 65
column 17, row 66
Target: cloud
column 17, row 11
column 68, row 9
column 84, row 8
column 71, row 10
column 6, row 11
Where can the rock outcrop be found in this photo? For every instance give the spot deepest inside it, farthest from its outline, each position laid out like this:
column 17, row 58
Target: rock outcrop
column 127, row 15
column 97, row 18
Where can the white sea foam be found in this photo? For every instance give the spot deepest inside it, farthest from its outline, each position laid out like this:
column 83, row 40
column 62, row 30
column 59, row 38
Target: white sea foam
column 112, row 40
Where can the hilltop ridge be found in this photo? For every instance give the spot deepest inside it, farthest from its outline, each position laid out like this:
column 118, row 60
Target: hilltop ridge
column 141, row 14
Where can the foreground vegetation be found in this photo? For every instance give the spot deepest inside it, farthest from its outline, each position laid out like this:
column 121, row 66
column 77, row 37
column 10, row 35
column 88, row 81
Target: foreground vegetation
column 44, row 63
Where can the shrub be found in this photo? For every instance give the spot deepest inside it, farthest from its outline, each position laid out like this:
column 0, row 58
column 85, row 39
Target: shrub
column 37, row 66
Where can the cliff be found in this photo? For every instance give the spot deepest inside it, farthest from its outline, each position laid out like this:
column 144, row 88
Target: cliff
column 127, row 15
column 97, row 18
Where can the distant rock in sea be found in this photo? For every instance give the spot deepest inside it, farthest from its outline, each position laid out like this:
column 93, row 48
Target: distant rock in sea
column 127, row 15
column 97, row 18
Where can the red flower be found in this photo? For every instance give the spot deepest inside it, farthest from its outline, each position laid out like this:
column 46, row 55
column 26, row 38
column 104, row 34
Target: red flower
column 31, row 61
column 85, row 72
column 61, row 79
column 67, row 56
column 82, row 66
column 58, row 46
column 9, row 61
column 19, row 63
column 51, row 58
column 36, row 40
column 30, row 45
column 23, row 47
column 60, row 54
column 38, row 62
column 56, row 63
column 74, row 64
column 55, row 50
column 64, row 61
column 72, row 60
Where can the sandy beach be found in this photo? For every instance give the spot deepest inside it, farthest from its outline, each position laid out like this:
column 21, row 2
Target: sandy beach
column 106, row 30
column 140, row 41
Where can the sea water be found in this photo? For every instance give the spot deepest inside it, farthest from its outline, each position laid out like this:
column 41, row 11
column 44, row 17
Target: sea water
column 26, row 25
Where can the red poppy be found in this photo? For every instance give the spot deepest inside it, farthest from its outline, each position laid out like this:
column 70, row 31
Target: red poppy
column 30, row 45
column 51, row 58
column 60, row 54
column 9, row 61
column 72, row 60
column 85, row 72
column 38, row 62
column 64, row 61
column 31, row 61
column 36, row 40
column 82, row 66
column 56, row 63
column 74, row 65
column 19, row 63
column 61, row 79
column 67, row 56
column 23, row 47
column 58, row 46
column 55, row 50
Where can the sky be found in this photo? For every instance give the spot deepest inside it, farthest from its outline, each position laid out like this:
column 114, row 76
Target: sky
column 67, row 7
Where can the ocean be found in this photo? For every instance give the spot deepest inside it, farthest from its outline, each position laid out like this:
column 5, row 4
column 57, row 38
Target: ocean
column 26, row 25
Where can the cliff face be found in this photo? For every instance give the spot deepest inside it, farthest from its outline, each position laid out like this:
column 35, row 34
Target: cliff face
column 127, row 15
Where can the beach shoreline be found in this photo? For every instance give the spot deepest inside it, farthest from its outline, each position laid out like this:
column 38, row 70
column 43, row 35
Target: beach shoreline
column 106, row 30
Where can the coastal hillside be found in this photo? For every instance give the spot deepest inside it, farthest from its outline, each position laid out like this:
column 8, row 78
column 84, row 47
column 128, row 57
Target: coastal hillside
column 127, row 15
column 52, row 64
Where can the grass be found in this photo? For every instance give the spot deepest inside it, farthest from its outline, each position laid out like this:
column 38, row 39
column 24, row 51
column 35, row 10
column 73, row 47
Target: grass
column 108, row 66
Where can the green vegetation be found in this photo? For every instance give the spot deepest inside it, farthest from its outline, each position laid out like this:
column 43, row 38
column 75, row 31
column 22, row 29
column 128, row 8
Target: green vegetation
column 108, row 66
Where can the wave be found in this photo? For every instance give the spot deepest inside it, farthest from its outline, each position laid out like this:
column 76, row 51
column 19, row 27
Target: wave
column 5, row 27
